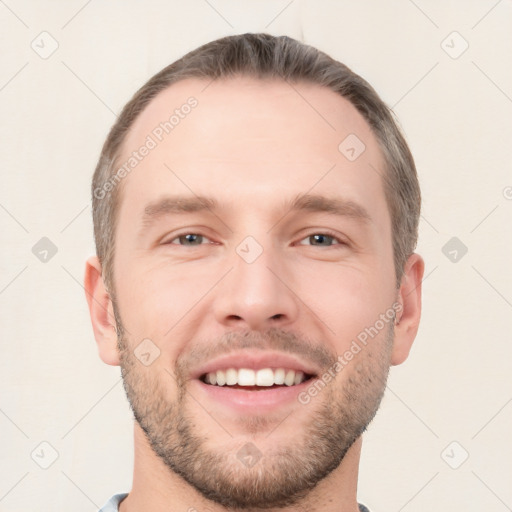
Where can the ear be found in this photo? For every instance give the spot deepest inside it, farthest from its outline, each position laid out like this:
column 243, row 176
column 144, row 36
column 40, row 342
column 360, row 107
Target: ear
column 101, row 311
column 408, row 319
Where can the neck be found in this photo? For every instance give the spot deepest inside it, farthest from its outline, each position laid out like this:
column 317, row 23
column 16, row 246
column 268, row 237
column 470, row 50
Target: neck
column 157, row 489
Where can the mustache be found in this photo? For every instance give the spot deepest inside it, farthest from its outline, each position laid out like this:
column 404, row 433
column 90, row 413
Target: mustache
column 271, row 339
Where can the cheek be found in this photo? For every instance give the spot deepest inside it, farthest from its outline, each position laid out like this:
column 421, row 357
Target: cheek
column 346, row 300
column 155, row 300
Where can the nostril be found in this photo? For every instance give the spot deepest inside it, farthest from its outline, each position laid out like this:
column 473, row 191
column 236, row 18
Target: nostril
column 277, row 317
column 234, row 317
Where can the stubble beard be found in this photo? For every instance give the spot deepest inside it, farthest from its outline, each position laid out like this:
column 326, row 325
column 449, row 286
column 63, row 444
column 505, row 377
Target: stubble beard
column 283, row 476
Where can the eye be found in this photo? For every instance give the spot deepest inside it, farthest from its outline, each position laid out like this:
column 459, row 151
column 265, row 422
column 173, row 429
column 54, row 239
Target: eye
column 321, row 240
column 190, row 240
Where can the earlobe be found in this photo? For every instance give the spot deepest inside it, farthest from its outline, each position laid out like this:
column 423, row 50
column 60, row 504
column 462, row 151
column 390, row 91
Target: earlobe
column 408, row 317
column 101, row 311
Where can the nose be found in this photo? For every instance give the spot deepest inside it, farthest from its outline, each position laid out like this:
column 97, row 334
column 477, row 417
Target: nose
column 257, row 295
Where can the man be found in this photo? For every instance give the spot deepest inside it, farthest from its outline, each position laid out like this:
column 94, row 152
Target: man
column 255, row 212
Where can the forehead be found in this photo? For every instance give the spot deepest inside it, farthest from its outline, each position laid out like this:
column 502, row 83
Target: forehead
column 263, row 106
column 245, row 138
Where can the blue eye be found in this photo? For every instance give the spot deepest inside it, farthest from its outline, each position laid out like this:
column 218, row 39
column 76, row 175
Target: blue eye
column 189, row 239
column 321, row 240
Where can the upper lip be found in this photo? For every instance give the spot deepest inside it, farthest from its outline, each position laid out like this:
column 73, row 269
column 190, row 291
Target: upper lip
column 255, row 360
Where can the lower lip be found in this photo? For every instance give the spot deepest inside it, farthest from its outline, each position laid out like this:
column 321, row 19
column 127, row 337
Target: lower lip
column 250, row 402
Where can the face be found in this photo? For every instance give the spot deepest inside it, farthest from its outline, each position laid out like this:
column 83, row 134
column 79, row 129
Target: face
column 249, row 248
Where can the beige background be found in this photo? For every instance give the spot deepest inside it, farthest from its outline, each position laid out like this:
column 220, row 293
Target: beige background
column 457, row 116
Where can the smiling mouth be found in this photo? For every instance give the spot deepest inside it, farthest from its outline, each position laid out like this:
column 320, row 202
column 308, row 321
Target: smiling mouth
column 255, row 380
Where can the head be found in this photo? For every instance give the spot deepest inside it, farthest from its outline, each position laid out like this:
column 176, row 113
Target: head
column 255, row 204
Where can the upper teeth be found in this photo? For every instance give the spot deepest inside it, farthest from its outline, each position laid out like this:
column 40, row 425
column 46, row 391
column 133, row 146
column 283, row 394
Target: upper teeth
column 248, row 377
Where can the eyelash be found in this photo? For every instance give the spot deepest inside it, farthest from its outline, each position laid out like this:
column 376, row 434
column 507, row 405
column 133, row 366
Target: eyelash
column 327, row 233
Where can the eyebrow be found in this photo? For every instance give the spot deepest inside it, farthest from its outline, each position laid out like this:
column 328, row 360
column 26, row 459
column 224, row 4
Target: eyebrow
column 335, row 206
column 178, row 205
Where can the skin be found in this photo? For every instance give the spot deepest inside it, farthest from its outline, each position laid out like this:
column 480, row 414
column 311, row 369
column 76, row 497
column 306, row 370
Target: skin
column 253, row 146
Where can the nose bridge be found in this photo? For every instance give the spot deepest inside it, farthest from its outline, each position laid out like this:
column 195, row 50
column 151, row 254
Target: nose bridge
column 252, row 294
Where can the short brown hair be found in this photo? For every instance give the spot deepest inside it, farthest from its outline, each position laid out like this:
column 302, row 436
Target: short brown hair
column 265, row 56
